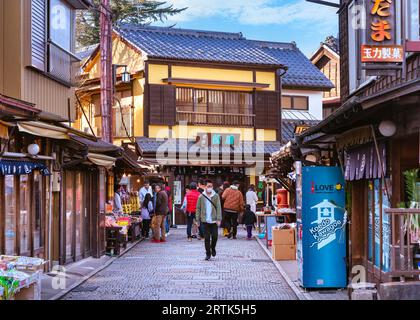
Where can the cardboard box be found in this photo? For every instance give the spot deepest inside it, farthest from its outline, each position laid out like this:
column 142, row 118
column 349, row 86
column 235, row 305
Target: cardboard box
column 283, row 252
column 284, row 236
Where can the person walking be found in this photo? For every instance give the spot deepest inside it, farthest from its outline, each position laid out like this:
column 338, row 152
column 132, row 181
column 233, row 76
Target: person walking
column 249, row 220
column 225, row 224
column 201, row 188
column 146, row 211
column 252, row 198
column 168, row 216
column 190, row 201
column 161, row 210
column 233, row 206
column 209, row 215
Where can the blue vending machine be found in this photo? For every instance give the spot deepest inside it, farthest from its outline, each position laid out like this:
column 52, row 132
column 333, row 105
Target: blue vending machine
column 321, row 227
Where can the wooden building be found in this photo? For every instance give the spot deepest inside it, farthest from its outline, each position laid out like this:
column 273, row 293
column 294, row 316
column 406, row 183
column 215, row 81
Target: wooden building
column 375, row 137
column 200, row 102
column 53, row 178
column 327, row 59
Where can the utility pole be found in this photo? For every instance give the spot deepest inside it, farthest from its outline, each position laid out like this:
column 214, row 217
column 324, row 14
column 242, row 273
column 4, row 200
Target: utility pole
column 106, row 70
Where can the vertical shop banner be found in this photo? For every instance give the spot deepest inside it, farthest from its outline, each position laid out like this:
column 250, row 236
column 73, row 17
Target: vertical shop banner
column 322, row 229
column 381, row 33
column 177, row 192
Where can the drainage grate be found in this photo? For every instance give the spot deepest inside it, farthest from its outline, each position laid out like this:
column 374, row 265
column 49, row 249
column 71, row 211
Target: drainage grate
column 85, row 289
column 261, row 260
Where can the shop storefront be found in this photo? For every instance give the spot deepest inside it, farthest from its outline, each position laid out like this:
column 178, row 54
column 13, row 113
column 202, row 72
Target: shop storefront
column 181, row 161
column 22, row 209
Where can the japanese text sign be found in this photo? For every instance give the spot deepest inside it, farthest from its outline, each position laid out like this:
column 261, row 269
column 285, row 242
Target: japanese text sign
column 382, row 53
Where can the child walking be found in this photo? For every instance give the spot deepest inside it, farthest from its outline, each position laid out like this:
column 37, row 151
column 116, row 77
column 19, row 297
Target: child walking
column 249, row 220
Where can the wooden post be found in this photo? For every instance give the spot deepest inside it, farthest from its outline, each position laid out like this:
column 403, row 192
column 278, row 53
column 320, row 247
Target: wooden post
column 106, row 70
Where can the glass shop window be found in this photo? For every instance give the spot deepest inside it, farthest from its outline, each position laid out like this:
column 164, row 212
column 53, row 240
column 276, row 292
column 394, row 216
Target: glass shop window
column 10, row 206
column 24, row 217
column 38, row 216
column 377, row 203
column 69, row 199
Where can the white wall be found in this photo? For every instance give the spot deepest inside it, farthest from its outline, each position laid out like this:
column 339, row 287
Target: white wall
column 315, row 103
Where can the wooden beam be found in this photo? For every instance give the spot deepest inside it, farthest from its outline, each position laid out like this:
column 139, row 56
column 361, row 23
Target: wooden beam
column 217, row 82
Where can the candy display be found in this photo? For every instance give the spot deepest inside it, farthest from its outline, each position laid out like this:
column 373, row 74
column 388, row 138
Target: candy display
column 130, row 202
column 16, row 273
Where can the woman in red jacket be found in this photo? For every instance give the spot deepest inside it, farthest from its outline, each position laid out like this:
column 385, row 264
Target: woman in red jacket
column 191, row 199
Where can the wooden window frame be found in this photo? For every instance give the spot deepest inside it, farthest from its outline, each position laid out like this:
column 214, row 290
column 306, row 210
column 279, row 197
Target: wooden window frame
column 194, row 104
column 46, row 70
column 292, row 107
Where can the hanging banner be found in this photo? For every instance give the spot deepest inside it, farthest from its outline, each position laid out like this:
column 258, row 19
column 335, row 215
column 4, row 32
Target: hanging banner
column 9, row 167
column 381, row 35
column 321, row 229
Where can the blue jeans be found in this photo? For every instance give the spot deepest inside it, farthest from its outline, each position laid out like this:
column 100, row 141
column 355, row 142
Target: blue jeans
column 190, row 220
column 167, row 224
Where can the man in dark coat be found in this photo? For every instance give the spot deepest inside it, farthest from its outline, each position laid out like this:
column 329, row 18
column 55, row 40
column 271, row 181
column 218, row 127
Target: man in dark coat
column 161, row 210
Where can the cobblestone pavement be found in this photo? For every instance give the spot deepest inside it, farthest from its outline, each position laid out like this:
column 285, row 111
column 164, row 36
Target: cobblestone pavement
column 176, row 270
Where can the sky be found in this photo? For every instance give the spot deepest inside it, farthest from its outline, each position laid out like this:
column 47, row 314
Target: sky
column 307, row 24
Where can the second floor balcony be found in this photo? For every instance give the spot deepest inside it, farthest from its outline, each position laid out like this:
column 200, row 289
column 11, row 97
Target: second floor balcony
column 214, row 107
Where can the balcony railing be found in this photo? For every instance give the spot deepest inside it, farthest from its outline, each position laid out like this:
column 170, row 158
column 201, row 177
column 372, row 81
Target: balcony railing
column 214, row 118
column 403, row 240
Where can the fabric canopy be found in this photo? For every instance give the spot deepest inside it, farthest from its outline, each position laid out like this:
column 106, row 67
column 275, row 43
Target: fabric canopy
column 42, row 129
column 4, row 131
column 11, row 167
column 102, row 160
column 363, row 163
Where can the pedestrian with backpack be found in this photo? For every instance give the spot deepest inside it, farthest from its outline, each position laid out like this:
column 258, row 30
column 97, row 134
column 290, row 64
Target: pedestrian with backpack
column 233, row 206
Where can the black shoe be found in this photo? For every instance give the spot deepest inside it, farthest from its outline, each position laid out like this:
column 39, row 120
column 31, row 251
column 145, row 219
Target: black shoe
column 213, row 252
column 234, row 237
column 207, row 258
column 229, row 235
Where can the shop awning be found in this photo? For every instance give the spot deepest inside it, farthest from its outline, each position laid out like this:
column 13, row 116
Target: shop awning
column 42, row 129
column 11, row 167
column 363, row 163
column 102, row 160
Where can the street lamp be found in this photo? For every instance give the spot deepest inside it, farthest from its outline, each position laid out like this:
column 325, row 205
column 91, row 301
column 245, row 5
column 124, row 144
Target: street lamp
column 125, row 76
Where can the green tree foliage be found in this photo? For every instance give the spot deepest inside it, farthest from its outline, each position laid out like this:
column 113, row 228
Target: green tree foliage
column 123, row 11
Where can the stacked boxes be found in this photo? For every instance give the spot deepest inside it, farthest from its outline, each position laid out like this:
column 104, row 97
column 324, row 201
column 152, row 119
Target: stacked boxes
column 284, row 244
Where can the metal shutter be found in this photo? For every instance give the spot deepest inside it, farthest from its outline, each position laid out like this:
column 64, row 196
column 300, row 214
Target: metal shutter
column 38, row 33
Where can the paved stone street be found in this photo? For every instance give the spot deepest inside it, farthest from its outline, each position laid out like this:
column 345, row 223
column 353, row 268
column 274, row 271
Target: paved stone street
column 176, row 270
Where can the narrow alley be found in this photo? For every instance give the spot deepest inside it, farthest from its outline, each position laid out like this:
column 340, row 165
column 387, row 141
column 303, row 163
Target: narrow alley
column 176, row 270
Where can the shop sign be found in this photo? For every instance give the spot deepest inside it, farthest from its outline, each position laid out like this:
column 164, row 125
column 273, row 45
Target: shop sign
column 22, row 167
column 218, row 139
column 381, row 53
column 301, row 128
column 381, row 39
column 177, row 192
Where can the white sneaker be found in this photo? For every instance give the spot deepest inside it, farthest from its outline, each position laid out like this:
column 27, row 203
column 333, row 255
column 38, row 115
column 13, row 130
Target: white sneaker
column 166, row 234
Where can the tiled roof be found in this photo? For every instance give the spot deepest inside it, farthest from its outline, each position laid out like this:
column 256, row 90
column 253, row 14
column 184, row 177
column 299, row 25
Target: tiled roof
column 223, row 47
column 301, row 71
column 150, row 146
column 85, row 52
column 288, row 128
